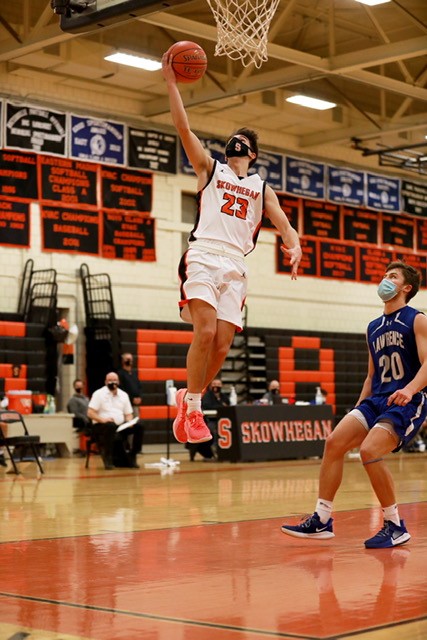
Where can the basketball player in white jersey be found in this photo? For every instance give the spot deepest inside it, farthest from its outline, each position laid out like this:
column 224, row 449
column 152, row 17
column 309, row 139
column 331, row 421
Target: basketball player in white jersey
column 212, row 271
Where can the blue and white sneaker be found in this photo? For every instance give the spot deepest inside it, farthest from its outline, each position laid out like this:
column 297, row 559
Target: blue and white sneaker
column 389, row 536
column 311, row 527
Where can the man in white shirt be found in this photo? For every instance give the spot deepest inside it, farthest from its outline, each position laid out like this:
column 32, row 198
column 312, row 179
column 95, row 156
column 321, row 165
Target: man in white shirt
column 108, row 408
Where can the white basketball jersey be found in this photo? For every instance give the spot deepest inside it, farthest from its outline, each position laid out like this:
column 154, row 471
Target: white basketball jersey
column 230, row 209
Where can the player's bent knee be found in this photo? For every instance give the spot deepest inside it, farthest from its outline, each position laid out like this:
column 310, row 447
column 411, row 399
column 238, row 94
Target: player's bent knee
column 205, row 335
column 369, row 455
column 335, row 446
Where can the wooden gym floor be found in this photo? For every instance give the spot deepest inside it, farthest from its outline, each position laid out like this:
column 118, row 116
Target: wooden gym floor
column 197, row 554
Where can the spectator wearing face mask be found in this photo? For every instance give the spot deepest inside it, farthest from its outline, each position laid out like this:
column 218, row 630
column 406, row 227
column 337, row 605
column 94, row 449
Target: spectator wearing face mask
column 77, row 405
column 273, row 394
column 108, row 408
column 129, row 382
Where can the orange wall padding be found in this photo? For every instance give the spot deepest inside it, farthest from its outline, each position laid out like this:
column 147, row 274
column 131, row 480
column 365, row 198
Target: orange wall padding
column 15, row 384
column 305, row 342
column 16, row 329
column 288, row 375
column 164, row 336
column 6, row 371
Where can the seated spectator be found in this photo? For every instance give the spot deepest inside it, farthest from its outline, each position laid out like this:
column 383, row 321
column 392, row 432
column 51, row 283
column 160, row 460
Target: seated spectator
column 130, row 382
column 273, row 394
column 108, row 408
column 78, row 404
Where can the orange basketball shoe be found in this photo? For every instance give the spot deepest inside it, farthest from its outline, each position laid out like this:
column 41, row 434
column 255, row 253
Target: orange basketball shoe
column 196, row 427
column 178, row 426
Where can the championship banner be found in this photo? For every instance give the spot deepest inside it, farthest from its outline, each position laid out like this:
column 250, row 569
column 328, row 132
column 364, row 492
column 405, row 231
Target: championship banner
column 290, row 206
column 373, row 264
column 308, row 264
column 35, row 129
column 213, row 146
column 345, row 186
column 414, row 198
column 304, row 178
column 18, row 175
column 421, row 234
column 128, row 236
column 68, row 181
column 14, row 223
column 360, row 225
column 383, row 193
column 70, row 230
column 97, row 140
column 269, row 167
column 398, row 230
column 152, row 150
column 417, row 261
column 338, row 261
column 126, row 189
column 321, row 219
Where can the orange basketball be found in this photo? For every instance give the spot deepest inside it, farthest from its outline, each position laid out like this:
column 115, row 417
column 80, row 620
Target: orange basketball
column 189, row 61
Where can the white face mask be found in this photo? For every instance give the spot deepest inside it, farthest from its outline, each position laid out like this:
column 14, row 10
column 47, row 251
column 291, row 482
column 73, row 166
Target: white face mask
column 387, row 290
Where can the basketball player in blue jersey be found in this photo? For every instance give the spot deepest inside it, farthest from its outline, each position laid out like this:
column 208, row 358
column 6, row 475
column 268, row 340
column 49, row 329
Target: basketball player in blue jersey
column 212, row 271
column 390, row 411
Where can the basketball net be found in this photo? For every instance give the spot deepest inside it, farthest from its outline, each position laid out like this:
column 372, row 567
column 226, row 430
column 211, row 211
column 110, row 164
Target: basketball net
column 242, row 27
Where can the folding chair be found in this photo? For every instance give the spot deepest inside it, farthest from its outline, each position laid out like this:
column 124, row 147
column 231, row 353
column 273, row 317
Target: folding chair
column 24, row 440
column 92, row 444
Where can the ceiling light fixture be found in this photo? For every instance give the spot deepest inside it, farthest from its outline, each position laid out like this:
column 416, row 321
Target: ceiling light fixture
column 372, row 3
column 134, row 61
column 312, row 103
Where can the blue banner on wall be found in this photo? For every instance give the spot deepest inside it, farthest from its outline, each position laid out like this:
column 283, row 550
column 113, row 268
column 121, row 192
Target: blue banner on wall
column 346, row 186
column 383, row 193
column 97, row 140
column 304, row 178
column 269, row 167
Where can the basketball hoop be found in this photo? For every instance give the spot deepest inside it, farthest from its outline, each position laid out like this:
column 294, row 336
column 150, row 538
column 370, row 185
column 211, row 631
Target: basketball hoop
column 242, row 27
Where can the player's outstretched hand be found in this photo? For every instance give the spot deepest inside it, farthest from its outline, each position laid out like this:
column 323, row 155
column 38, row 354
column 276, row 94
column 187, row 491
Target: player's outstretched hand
column 294, row 254
column 167, row 70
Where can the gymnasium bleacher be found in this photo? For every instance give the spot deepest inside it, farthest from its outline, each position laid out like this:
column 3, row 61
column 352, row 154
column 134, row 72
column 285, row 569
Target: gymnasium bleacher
column 24, row 344
column 300, row 360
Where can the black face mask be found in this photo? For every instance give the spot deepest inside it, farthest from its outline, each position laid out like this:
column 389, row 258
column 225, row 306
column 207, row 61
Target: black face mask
column 112, row 385
column 236, row 148
column 216, row 389
column 128, row 363
column 79, row 390
column 275, row 391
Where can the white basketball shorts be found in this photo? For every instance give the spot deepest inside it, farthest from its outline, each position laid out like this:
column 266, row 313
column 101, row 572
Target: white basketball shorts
column 219, row 280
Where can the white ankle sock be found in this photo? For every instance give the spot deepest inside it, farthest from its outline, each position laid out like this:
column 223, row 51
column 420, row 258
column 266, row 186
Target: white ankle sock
column 194, row 402
column 392, row 513
column 324, row 510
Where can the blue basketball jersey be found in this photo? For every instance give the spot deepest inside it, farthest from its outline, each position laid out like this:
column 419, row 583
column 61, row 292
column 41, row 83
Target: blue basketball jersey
column 393, row 348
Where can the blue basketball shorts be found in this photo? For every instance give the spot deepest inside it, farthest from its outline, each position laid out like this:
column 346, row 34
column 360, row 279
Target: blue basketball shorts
column 406, row 421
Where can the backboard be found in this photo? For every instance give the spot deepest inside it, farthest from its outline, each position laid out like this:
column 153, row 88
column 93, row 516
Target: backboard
column 83, row 16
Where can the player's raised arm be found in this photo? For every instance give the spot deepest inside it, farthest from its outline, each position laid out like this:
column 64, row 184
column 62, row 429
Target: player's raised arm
column 291, row 243
column 200, row 161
